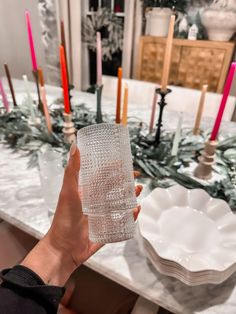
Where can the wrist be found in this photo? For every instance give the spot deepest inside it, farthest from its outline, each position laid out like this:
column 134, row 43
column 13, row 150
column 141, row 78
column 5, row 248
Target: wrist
column 52, row 264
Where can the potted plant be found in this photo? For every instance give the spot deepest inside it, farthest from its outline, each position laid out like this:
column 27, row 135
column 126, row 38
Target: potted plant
column 219, row 19
column 158, row 14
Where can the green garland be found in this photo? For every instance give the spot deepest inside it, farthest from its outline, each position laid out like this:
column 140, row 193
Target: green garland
column 155, row 163
column 111, row 28
column 164, row 169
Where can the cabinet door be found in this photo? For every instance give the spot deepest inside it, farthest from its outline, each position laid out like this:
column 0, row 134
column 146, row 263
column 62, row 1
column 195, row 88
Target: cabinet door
column 199, row 65
column 152, row 57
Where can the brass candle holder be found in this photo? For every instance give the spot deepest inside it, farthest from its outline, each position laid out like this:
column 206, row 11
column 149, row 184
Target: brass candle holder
column 69, row 129
column 206, row 160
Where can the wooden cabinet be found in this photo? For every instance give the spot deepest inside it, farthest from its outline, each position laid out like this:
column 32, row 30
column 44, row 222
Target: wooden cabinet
column 193, row 63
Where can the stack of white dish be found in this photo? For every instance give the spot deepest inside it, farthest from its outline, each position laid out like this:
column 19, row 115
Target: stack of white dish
column 188, row 235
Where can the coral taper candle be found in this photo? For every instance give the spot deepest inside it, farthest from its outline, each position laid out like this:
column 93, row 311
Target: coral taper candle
column 10, row 84
column 31, row 42
column 196, row 129
column 63, row 43
column 99, row 59
column 44, row 101
column 226, row 91
column 30, row 101
column 153, row 113
column 168, row 50
column 4, row 97
column 125, row 106
column 64, row 80
column 118, row 99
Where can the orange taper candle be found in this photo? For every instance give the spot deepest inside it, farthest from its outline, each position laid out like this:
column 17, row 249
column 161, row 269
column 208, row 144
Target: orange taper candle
column 118, row 99
column 64, row 80
column 125, row 106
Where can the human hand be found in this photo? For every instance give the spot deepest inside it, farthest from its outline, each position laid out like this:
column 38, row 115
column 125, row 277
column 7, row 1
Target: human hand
column 66, row 245
column 69, row 230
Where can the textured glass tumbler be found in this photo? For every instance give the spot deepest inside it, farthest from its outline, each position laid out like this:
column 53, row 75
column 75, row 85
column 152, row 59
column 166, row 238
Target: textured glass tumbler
column 51, row 174
column 106, row 182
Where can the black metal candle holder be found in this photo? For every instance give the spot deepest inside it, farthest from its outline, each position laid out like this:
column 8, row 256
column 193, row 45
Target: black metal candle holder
column 40, row 104
column 99, row 104
column 162, row 103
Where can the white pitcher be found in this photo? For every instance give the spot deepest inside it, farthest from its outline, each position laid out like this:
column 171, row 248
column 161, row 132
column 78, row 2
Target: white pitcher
column 157, row 21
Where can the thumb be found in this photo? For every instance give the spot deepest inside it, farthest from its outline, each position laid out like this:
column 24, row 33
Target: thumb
column 72, row 169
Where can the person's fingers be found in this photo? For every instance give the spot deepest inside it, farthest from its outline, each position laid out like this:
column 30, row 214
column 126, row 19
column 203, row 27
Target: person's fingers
column 94, row 247
column 136, row 174
column 136, row 212
column 138, row 189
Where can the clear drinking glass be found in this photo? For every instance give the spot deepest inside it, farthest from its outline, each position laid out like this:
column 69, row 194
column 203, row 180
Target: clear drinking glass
column 106, row 182
column 51, row 174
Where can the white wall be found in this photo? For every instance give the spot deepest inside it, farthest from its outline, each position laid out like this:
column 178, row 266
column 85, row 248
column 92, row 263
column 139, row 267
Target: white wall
column 14, row 48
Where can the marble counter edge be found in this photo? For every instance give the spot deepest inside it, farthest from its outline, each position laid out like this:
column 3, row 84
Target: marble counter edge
column 20, row 225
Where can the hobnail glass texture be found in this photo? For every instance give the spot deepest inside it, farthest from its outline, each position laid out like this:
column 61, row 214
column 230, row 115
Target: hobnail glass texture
column 51, row 174
column 106, row 181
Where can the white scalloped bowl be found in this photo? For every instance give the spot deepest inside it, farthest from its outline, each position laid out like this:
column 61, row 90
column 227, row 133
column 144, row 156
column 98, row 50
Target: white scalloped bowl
column 191, row 229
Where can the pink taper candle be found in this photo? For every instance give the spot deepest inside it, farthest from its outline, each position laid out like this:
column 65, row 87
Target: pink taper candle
column 99, row 59
column 31, row 41
column 4, row 97
column 226, row 91
column 153, row 113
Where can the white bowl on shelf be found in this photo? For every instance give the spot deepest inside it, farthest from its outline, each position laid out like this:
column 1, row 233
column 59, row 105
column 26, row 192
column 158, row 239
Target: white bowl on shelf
column 188, row 234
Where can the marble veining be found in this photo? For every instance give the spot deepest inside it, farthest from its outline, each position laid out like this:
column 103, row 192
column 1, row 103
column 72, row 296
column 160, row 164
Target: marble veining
column 21, row 204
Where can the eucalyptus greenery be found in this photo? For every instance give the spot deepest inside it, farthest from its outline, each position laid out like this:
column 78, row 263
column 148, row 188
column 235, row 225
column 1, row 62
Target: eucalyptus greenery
column 165, row 170
column 111, row 28
column 18, row 132
column 153, row 162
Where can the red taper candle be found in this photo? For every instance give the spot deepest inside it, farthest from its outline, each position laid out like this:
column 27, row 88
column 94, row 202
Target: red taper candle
column 226, row 91
column 64, row 80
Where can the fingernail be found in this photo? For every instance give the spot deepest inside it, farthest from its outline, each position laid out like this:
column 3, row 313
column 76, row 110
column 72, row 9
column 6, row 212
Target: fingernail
column 140, row 187
column 72, row 149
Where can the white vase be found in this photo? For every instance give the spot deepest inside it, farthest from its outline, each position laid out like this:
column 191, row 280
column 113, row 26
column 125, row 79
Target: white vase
column 220, row 23
column 158, row 20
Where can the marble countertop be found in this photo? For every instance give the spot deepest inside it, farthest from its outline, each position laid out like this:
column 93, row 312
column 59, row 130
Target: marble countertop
column 22, row 205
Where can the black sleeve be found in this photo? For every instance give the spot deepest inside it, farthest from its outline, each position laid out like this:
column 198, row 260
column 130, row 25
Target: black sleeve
column 23, row 291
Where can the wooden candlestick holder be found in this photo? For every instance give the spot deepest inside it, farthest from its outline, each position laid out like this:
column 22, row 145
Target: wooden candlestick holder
column 206, row 160
column 69, row 130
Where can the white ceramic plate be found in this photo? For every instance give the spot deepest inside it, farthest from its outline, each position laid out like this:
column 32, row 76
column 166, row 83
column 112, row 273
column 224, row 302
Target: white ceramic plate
column 190, row 231
column 190, row 278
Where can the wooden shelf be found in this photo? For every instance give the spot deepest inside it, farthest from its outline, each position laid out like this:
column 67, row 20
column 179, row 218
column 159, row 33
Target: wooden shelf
column 193, row 63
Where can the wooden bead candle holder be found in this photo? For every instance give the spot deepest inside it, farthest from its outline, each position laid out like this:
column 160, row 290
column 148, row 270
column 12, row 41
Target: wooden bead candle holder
column 69, row 130
column 206, row 160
